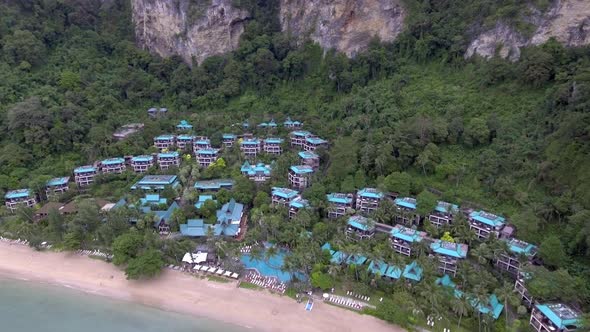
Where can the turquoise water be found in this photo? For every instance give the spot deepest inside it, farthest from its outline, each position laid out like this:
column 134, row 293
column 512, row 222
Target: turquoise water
column 270, row 266
column 31, row 307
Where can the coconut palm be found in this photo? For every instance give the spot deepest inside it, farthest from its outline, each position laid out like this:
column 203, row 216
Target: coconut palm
column 507, row 295
column 460, row 307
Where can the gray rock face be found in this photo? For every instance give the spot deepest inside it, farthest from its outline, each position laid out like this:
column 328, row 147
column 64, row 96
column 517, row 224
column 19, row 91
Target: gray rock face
column 344, row 25
column 188, row 28
column 568, row 21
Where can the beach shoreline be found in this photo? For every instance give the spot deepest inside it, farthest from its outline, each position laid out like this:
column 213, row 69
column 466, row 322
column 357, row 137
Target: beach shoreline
column 182, row 293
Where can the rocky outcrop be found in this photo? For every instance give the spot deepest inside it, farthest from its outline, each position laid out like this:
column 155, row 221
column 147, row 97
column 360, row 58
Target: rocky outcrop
column 568, row 21
column 191, row 29
column 344, row 25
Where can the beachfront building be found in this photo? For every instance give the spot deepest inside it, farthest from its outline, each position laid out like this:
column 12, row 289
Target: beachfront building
column 485, row 223
column 229, row 218
column 359, row 228
column 413, row 272
column 300, row 176
column 162, row 210
column 21, row 197
column 518, row 250
column 406, row 211
column 206, row 157
column 250, row 147
column 201, row 142
column 184, row 126
column 228, row 140
column 520, row 288
column 113, row 166
column 185, row 142
column 297, row 205
column 195, row 228
column 340, row 204
column 309, row 158
column 57, row 186
column 167, row 160
column 141, row 164
column 272, row 145
column 491, row 307
column 84, row 175
column 156, row 182
column 368, row 199
column 214, row 185
column 403, row 238
column 257, row 173
column 297, row 137
column 555, row 317
column 164, row 142
column 292, row 124
column 314, row 143
column 448, row 255
column 443, row 214
column 283, row 196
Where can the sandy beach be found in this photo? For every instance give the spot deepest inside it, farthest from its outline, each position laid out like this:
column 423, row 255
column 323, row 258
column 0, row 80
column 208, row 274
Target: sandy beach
column 180, row 292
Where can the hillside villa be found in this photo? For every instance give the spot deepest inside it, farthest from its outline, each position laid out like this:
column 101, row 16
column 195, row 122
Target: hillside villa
column 443, row 214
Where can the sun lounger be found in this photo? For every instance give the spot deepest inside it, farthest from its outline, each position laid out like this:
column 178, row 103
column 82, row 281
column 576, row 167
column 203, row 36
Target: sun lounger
column 220, row 271
column 235, row 275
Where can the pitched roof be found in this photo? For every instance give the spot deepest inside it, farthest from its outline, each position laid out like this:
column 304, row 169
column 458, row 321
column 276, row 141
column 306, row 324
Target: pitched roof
column 113, row 161
column 560, row 314
column 230, row 212
column 307, row 155
column 301, row 169
column 362, row 223
column 407, row 234
column 339, row 198
column 194, row 227
column 521, row 248
column 164, row 137
column 406, row 202
column 84, row 169
column 413, row 271
column 444, row 207
column 285, row 193
column 370, row 193
column 487, row 218
column 142, row 158
column 456, row 250
column 19, row 193
column 58, row 181
column 213, row 184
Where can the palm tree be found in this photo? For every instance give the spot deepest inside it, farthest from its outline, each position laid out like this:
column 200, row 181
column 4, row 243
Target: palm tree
column 507, row 295
column 460, row 308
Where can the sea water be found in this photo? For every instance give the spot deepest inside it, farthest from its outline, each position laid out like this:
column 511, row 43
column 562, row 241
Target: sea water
column 33, row 307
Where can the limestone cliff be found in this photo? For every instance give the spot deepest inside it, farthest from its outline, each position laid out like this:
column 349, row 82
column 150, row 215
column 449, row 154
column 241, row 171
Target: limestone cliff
column 568, row 21
column 344, row 25
column 188, row 28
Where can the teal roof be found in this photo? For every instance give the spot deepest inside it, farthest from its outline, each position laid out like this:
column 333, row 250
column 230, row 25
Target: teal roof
column 152, row 199
column 444, row 207
column 214, row 184
column 377, row 267
column 406, row 202
column 362, row 223
column 258, row 169
column 150, row 182
column 263, row 125
column 272, row 123
column 393, row 272
column 245, row 124
column 19, row 193
column 185, row 137
column 370, row 193
column 207, row 151
column 487, row 218
column 184, row 125
column 273, row 140
column 315, row 140
column 228, row 136
column 285, row 193
column 446, row 281
column 339, row 198
column 456, row 250
column 142, row 158
column 194, row 227
column 84, row 169
column 522, row 248
column 113, row 161
column 299, row 203
column 493, row 307
column 171, row 154
column 407, row 234
column 164, row 216
column 301, row 169
column 250, row 141
column 230, row 211
column 308, row 155
column 202, row 141
column 560, row 315
column 58, row 181
column 356, row 260
column 413, row 271
column 203, row 199
column 290, row 122
column 337, row 257
column 300, row 133
column 165, row 137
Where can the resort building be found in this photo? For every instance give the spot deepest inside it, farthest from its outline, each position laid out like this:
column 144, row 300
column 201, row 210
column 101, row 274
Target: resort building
column 141, row 164
column 388, row 272
column 359, row 228
column 309, row 158
column 161, row 209
column 448, row 254
column 406, row 211
column 251, row 147
column 517, row 251
column 206, row 157
column 297, row 137
column 283, row 196
column 229, row 218
column 113, row 166
column 300, row 176
column 271, row 125
column 492, row 307
column 194, row 228
column 522, row 291
column 245, row 125
column 214, row 185
column 484, row 224
column 156, row 182
column 368, row 199
column 273, row 146
column 297, row 205
column 340, row 204
column 413, row 272
column 313, row 143
column 443, row 214
column 292, row 124
column 44, row 211
column 164, row 142
column 257, row 173
column 57, row 186
column 184, row 126
column 84, row 175
column 228, row 140
column 157, row 112
column 167, row 160
column 555, row 317
column 202, row 199
column 20, row 197
column 201, row 142
column 403, row 238
column 127, row 130
column 185, row 142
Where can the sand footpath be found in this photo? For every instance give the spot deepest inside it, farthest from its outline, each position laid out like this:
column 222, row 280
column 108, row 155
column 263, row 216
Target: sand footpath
column 180, row 292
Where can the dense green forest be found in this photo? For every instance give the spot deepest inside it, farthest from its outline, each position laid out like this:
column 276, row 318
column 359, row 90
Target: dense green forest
column 410, row 116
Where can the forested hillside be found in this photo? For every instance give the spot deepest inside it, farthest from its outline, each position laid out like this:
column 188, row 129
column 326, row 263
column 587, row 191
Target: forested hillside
column 408, row 116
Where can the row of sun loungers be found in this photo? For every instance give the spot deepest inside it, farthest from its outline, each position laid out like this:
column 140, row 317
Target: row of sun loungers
column 18, row 241
column 362, row 297
column 97, row 253
column 345, row 302
column 246, row 249
column 215, row 270
column 271, row 283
